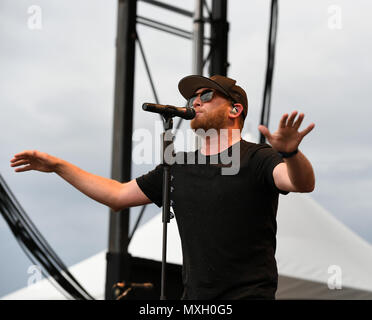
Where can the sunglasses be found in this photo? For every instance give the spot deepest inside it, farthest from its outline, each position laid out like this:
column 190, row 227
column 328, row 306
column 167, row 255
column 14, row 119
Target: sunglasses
column 205, row 96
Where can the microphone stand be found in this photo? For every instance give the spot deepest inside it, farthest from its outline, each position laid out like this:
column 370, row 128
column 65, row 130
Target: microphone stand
column 167, row 112
column 167, row 145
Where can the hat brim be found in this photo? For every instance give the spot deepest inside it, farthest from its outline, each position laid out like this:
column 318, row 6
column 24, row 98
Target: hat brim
column 188, row 85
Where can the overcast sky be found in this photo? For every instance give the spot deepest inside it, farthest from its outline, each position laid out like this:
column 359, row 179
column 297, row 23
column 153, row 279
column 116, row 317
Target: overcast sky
column 57, row 86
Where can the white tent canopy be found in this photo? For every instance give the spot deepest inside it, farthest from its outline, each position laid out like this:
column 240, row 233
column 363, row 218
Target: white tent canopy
column 317, row 254
column 318, row 257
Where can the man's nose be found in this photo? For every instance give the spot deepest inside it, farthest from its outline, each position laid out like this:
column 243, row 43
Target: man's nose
column 197, row 101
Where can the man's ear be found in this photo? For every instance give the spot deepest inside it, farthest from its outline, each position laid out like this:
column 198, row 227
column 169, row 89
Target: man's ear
column 237, row 109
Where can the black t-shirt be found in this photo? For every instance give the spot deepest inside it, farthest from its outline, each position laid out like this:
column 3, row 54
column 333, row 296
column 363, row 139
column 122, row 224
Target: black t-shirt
column 227, row 222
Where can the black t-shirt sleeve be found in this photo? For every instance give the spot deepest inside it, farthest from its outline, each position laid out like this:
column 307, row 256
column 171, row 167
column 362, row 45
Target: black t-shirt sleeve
column 151, row 185
column 267, row 159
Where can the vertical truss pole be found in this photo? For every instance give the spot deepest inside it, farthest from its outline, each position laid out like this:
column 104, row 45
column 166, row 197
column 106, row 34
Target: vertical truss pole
column 219, row 38
column 198, row 46
column 198, row 38
column 117, row 255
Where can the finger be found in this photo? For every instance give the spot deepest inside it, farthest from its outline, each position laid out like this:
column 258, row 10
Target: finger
column 19, row 163
column 265, row 131
column 21, row 154
column 298, row 122
column 23, row 169
column 283, row 120
column 18, row 158
column 307, row 130
column 291, row 119
column 25, row 154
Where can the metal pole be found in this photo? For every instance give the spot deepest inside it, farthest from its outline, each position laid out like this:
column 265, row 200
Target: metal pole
column 198, row 46
column 117, row 256
column 167, row 144
column 265, row 113
column 198, row 38
column 219, row 38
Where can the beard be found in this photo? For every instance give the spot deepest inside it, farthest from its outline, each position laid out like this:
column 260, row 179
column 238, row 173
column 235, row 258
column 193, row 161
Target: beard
column 205, row 121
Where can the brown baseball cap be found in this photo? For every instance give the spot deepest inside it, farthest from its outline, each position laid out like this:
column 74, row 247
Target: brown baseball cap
column 188, row 85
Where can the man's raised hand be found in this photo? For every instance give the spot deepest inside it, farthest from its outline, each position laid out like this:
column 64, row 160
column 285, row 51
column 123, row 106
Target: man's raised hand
column 287, row 138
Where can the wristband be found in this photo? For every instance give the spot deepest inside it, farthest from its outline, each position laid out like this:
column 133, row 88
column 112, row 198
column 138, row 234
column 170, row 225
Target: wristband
column 288, row 154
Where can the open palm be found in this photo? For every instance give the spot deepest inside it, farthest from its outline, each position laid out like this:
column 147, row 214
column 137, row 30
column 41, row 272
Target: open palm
column 287, row 138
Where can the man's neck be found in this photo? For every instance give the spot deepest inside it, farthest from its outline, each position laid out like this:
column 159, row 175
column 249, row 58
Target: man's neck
column 222, row 140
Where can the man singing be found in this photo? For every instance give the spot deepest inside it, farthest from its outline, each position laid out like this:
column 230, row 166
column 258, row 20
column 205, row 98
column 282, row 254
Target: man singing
column 226, row 220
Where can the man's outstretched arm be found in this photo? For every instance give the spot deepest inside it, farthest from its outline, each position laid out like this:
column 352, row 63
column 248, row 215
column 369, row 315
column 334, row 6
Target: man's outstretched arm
column 109, row 192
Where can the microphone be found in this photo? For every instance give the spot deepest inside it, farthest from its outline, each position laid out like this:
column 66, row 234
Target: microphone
column 170, row 111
